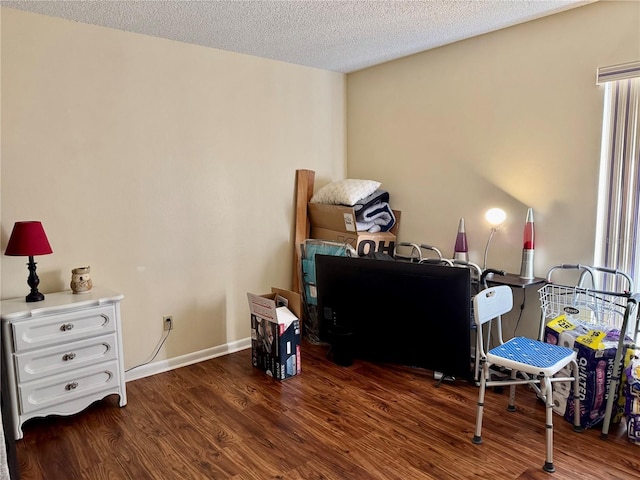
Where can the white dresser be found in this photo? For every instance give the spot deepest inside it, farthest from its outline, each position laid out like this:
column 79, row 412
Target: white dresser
column 62, row 353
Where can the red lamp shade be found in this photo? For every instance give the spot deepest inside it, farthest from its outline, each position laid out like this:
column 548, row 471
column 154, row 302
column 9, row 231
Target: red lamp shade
column 28, row 239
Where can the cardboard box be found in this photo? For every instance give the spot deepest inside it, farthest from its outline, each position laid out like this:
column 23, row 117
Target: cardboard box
column 276, row 333
column 338, row 223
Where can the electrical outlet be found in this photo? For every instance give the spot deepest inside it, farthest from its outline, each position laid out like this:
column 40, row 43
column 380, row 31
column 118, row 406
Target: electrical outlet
column 167, row 322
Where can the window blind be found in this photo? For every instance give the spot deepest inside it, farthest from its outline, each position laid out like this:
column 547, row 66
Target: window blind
column 623, row 71
column 618, row 217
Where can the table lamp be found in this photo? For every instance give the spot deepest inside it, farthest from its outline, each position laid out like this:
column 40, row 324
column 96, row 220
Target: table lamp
column 528, row 247
column 495, row 217
column 460, row 249
column 27, row 240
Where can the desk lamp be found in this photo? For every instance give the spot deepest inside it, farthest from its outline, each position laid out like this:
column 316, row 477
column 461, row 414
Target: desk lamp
column 495, row 217
column 28, row 239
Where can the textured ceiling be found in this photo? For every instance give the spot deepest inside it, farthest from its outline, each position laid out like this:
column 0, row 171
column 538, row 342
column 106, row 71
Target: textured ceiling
column 343, row 36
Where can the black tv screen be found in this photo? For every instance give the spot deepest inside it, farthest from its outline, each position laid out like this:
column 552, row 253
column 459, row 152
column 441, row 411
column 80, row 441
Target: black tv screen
column 399, row 312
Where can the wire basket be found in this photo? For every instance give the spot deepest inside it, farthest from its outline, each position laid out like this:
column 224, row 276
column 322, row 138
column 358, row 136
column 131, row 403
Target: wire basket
column 584, row 305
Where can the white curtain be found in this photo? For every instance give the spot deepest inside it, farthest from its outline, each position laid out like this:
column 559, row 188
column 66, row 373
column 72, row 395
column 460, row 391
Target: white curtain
column 618, row 232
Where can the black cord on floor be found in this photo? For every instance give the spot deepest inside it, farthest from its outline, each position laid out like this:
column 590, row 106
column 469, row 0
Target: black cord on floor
column 155, row 353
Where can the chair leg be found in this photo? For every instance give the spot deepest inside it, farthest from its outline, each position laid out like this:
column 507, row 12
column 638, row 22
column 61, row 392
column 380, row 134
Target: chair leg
column 547, row 393
column 477, row 437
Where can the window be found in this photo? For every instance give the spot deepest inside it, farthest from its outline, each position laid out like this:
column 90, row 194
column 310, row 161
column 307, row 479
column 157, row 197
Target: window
column 618, row 215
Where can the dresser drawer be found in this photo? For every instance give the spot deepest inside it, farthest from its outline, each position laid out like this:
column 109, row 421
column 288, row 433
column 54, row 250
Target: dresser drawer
column 49, row 361
column 65, row 388
column 63, row 328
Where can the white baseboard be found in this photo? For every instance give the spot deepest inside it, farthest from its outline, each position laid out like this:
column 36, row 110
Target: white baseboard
column 188, row 359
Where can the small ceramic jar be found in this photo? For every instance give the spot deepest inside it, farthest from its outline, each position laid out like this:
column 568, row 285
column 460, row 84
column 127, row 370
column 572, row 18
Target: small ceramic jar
column 81, row 280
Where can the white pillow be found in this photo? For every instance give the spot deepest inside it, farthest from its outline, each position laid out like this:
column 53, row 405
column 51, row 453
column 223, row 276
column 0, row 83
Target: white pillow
column 345, row 192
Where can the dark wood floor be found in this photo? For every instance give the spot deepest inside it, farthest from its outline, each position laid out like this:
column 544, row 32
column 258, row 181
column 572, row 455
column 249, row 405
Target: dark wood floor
column 223, row 419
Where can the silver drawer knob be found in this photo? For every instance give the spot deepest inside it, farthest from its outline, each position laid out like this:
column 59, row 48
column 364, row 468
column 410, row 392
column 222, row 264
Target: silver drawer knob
column 71, row 386
column 65, row 327
column 68, row 356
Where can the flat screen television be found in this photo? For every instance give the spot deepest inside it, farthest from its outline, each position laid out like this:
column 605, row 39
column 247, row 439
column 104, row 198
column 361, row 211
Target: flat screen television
column 398, row 312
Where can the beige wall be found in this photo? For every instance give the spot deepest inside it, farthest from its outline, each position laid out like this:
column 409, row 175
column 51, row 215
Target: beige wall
column 168, row 168
column 510, row 119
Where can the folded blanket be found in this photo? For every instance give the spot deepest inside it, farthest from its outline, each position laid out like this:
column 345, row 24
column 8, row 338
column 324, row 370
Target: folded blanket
column 366, row 202
column 376, row 218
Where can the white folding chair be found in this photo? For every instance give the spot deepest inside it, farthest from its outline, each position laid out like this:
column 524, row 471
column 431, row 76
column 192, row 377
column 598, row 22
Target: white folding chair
column 534, row 361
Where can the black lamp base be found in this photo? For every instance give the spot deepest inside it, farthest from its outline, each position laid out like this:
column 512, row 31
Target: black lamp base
column 35, row 297
column 33, row 281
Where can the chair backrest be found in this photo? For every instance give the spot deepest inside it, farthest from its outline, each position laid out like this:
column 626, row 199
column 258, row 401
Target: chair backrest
column 491, row 303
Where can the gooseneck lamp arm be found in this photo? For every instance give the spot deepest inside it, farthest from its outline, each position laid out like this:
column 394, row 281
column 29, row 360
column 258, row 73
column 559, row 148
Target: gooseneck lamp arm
column 486, row 248
column 495, row 217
